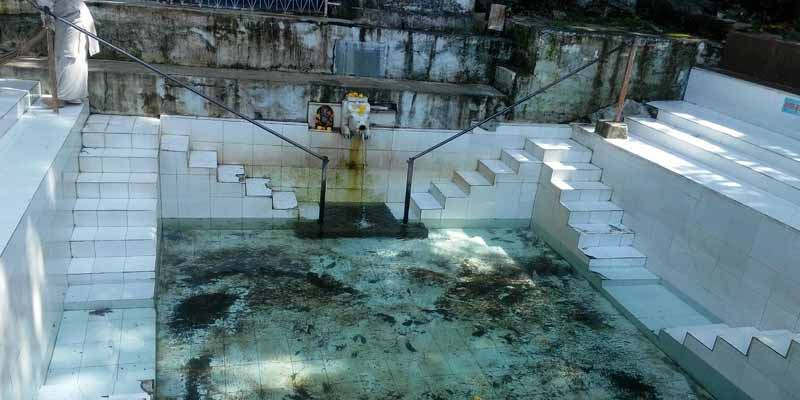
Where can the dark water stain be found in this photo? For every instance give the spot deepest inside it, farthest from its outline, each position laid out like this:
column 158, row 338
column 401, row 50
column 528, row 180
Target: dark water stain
column 200, row 311
column 588, row 316
column 197, row 374
column 427, row 277
column 494, row 293
column 633, row 386
column 544, row 266
column 101, row 312
column 359, row 220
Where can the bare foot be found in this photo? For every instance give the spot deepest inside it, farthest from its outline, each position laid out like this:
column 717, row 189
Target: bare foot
column 50, row 102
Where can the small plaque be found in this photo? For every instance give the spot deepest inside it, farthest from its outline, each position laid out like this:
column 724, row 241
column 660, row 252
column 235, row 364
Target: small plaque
column 791, row 106
column 497, row 17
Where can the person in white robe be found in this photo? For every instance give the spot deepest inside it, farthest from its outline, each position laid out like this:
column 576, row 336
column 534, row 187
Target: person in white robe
column 72, row 48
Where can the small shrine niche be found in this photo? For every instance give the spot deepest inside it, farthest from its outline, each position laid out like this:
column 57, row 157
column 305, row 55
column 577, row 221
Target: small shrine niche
column 324, row 117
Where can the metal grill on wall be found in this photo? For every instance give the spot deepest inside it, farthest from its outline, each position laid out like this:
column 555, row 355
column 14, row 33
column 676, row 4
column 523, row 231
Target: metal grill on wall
column 315, row 7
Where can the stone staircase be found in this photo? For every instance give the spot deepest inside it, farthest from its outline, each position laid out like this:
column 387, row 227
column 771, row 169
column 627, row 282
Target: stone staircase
column 580, row 206
column 116, row 215
column 500, row 189
column 178, row 155
column 106, row 342
column 764, row 362
column 741, row 146
column 16, row 97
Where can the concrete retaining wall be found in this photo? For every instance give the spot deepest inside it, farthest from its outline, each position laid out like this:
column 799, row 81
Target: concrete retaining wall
column 125, row 88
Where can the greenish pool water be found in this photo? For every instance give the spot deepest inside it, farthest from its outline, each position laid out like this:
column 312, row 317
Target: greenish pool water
column 459, row 314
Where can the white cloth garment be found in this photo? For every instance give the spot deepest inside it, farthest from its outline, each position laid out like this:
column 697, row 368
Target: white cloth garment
column 72, row 48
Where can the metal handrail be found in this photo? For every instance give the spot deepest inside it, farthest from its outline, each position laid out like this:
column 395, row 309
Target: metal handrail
column 320, row 157
column 410, row 175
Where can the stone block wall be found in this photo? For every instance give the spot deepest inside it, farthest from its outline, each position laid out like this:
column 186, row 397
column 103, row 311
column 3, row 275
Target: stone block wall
column 544, row 54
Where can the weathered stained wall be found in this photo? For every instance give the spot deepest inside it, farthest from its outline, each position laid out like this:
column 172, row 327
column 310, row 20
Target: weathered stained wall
column 125, row 88
column 214, row 38
column 12, row 7
column 544, row 54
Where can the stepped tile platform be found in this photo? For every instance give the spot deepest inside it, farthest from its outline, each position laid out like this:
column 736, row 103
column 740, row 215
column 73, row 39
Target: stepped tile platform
column 26, row 159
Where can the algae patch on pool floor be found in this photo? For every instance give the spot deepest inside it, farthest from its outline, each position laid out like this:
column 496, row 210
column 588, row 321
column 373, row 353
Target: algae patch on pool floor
column 462, row 314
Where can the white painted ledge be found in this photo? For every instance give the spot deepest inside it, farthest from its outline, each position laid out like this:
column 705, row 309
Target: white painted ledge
column 27, row 152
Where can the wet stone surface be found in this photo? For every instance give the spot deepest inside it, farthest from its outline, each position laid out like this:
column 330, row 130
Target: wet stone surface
column 463, row 314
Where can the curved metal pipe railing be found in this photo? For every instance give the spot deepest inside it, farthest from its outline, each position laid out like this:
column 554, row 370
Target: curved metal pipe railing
column 410, row 175
column 324, row 159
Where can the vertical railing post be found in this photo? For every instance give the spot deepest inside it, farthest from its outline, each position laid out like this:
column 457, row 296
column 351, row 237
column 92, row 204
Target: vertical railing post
column 409, row 178
column 623, row 93
column 323, row 186
column 51, row 63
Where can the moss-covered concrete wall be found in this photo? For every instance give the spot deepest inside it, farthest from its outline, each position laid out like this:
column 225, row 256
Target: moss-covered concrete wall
column 247, row 40
column 125, row 88
column 528, row 56
column 13, row 7
column 543, row 54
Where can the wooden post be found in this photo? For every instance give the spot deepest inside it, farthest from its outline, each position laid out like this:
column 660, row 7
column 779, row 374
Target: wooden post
column 51, row 66
column 623, row 94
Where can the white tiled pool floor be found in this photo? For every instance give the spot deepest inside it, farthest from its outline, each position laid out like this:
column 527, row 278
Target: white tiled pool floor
column 463, row 314
column 102, row 353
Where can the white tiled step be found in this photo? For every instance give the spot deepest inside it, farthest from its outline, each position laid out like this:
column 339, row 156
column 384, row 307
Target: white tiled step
column 606, row 235
column 258, row 187
column 447, row 193
column 284, row 201
column 497, row 171
column 679, row 333
column 203, row 159
column 424, row 206
column 115, row 212
column 582, row 191
column 625, row 275
column 581, row 172
column 696, row 172
column 113, row 241
column 117, row 185
column 656, row 306
column 739, row 338
column 93, row 159
column 619, row 256
column 133, row 294
column 777, row 149
column 769, row 351
column 231, row 173
column 103, row 123
column 742, row 166
column 740, row 355
column 564, row 150
column 15, row 99
column 593, row 212
column 83, row 271
column 525, row 164
column 120, row 140
column 467, row 181
column 179, row 143
column 778, row 341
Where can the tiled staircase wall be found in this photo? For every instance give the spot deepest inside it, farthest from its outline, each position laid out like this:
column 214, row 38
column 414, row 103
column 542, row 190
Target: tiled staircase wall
column 39, row 172
column 200, row 193
column 105, row 347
